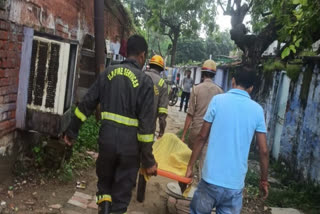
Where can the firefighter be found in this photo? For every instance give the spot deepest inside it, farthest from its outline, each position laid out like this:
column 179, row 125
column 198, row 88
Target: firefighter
column 125, row 94
column 160, row 92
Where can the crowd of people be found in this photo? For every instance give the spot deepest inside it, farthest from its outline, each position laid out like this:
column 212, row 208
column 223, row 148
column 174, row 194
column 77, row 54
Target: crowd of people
column 222, row 126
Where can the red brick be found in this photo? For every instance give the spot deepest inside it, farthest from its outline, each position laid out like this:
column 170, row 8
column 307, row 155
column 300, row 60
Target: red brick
column 4, row 25
column 2, row 73
column 4, row 81
column 11, row 73
column 7, row 124
column 3, row 54
column 4, row 90
column 20, row 37
column 1, row 99
column 11, row 46
column 3, row 35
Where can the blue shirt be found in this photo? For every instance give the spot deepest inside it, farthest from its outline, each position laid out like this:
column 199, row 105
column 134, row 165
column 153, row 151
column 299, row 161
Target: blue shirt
column 235, row 118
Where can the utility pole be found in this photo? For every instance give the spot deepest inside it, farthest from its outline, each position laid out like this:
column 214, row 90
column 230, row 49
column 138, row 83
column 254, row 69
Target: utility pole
column 99, row 41
column 99, row 35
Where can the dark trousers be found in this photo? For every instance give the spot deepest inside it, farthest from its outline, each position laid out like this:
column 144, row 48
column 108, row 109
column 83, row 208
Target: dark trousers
column 117, row 166
column 184, row 95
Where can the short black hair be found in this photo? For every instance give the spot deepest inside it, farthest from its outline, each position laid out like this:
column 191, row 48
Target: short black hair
column 245, row 77
column 208, row 74
column 136, row 45
column 156, row 67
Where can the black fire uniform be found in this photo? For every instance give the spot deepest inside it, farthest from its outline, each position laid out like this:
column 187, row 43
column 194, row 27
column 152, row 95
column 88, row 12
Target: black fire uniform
column 125, row 95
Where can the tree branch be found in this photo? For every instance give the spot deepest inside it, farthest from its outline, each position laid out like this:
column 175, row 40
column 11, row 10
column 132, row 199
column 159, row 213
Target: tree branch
column 224, row 11
column 266, row 14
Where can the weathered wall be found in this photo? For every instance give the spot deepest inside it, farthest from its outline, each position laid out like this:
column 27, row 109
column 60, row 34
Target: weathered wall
column 69, row 19
column 300, row 140
column 300, row 136
column 10, row 51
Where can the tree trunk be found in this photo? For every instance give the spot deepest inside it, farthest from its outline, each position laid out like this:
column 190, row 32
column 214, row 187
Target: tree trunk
column 174, row 48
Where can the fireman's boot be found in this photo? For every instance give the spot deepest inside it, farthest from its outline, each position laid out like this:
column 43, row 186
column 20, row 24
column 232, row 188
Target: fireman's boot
column 104, row 207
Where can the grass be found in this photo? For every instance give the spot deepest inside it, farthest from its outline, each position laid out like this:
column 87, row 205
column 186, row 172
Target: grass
column 299, row 195
column 179, row 134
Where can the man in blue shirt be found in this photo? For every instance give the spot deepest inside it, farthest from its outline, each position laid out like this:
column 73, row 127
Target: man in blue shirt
column 232, row 119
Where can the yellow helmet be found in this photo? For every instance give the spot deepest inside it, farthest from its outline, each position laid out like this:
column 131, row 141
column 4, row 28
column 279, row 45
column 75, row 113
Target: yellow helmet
column 209, row 66
column 157, row 60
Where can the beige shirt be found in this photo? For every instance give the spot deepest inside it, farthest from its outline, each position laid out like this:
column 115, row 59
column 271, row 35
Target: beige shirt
column 201, row 96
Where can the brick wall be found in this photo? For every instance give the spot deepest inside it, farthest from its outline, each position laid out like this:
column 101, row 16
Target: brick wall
column 10, row 51
column 72, row 19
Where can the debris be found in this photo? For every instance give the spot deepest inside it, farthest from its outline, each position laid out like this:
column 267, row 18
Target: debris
column 81, row 185
column 77, row 203
column 10, row 187
column 93, row 205
column 3, row 204
column 54, row 194
column 34, row 194
column 55, row 206
column 24, row 182
column 10, row 194
column 29, row 202
column 265, row 208
column 82, row 195
column 42, row 182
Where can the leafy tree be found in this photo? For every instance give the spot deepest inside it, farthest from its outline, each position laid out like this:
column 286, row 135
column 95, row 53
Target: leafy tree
column 293, row 22
column 180, row 17
column 219, row 43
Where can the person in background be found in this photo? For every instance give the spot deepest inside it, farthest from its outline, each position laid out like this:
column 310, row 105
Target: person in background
column 126, row 98
column 160, row 92
column 201, row 95
column 231, row 121
column 187, row 84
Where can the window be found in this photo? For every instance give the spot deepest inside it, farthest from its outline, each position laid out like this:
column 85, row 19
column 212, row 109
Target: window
column 52, row 74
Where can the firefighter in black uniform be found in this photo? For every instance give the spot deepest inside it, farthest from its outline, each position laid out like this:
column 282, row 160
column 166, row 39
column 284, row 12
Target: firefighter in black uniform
column 126, row 100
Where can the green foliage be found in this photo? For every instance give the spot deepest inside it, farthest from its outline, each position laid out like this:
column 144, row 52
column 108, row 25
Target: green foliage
column 303, row 196
column 78, row 162
column 300, row 24
column 88, row 135
column 172, row 18
column 252, row 183
column 273, row 65
column 38, row 155
column 293, row 71
column 180, row 132
column 199, row 50
column 307, row 77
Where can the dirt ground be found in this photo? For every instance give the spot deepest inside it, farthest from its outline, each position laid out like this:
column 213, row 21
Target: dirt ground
column 36, row 196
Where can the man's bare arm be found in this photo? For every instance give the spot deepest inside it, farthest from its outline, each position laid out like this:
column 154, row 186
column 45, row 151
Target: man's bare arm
column 197, row 147
column 264, row 162
column 186, row 126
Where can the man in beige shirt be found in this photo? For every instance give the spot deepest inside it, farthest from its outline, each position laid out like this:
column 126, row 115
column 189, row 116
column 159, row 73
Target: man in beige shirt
column 201, row 95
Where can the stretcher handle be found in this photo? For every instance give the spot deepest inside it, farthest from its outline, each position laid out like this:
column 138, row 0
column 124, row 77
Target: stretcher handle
column 174, row 176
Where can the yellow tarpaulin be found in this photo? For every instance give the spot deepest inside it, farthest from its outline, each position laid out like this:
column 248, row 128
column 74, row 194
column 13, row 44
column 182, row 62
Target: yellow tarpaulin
column 172, row 154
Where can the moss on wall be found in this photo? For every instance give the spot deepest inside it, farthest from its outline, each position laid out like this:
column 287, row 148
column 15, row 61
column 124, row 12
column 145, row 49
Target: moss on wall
column 307, row 77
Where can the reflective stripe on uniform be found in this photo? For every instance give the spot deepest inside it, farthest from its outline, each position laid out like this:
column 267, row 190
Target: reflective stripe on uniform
column 161, row 81
column 145, row 138
column 163, row 110
column 80, row 115
column 102, row 198
column 119, row 119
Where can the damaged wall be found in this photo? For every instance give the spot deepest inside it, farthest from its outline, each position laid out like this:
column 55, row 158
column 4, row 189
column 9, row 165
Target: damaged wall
column 10, row 50
column 299, row 138
column 70, row 20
